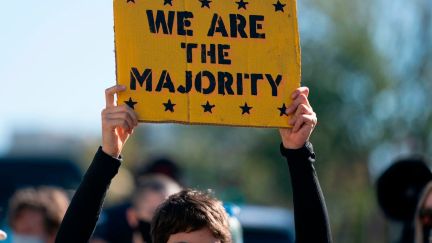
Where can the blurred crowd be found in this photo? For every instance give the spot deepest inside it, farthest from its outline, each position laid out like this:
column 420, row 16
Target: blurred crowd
column 35, row 213
column 404, row 192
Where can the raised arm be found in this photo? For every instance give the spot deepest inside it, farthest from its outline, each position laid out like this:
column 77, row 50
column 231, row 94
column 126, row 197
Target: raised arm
column 118, row 123
column 310, row 212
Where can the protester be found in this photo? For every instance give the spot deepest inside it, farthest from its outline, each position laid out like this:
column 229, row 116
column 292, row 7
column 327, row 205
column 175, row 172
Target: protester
column 423, row 216
column 191, row 216
column 35, row 215
column 118, row 122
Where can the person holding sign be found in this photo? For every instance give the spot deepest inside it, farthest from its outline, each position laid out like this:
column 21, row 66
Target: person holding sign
column 209, row 224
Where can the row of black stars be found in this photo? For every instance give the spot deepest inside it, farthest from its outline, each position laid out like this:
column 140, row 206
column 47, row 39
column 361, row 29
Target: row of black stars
column 241, row 4
column 245, row 109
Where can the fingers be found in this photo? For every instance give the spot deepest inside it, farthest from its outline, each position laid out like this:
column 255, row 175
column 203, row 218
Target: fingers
column 118, row 123
column 300, row 90
column 305, row 120
column 109, row 94
column 123, row 117
column 302, row 109
column 122, row 109
column 300, row 96
column 119, row 116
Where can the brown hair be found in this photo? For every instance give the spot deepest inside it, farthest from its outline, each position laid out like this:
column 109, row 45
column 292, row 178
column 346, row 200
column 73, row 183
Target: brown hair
column 51, row 202
column 188, row 211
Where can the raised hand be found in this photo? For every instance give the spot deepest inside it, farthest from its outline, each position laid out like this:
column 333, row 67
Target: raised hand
column 118, row 123
column 303, row 120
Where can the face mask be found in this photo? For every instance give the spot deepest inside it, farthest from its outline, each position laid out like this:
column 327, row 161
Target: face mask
column 144, row 229
column 17, row 238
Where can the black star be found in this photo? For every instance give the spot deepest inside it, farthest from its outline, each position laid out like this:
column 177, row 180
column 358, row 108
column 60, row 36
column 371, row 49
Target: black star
column 168, row 2
column 169, row 106
column 283, row 110
column 128, row 1
column 131, row 103
column 245, row 109
column 205, row 3
column 242, row 4
column 279, row 6
column 207, row 107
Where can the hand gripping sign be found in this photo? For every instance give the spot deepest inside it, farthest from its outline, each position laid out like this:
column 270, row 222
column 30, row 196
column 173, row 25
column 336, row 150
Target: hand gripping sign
column 227, row 62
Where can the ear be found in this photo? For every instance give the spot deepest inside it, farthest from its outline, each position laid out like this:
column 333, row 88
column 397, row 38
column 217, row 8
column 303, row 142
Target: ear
column 132, row 218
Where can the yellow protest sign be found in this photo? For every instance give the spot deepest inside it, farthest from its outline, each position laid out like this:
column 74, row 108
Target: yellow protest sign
column 228, row 62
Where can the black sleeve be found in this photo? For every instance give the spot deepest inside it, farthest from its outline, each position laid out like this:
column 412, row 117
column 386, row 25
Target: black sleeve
column 310, row 212
column 84, row 209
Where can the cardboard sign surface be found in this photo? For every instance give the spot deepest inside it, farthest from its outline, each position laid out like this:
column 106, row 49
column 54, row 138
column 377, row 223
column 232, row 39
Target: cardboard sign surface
column 227, row 62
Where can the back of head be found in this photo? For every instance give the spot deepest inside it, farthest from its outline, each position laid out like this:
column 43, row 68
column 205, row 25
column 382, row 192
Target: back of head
column 189, row 211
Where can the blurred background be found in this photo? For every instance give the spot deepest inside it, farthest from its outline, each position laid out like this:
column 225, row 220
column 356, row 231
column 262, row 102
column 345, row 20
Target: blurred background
column 368, row 65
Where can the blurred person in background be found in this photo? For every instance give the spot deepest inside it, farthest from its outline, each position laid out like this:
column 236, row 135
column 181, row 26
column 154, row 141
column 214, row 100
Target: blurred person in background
column 151, row 190
column 399, row 189
column 423, row 217
column 35, row 215
column 114, row 225
column 118, row 123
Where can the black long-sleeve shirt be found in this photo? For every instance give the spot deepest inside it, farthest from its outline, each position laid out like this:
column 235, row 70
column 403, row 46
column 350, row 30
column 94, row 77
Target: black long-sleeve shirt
column 310, row 213
column 83, row 212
